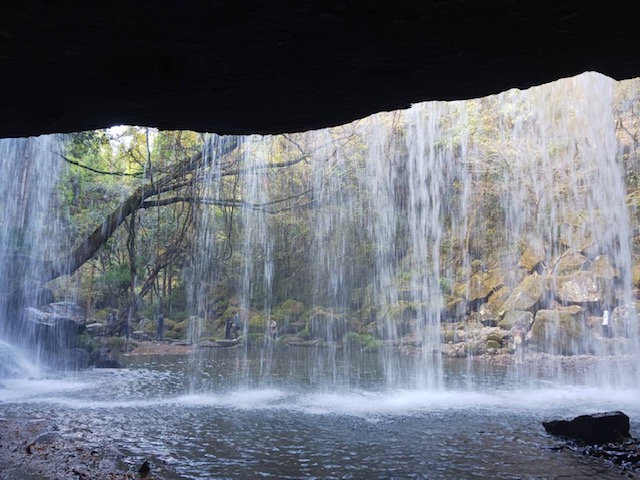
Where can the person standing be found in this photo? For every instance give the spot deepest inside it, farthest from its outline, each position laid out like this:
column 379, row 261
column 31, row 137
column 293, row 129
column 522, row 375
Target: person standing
column 606, row 329
column 112, row 321
column 160, row 326
column 228, row 325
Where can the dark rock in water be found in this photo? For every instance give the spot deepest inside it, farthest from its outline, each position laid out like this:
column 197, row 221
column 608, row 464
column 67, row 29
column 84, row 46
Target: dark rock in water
column 77, row 359
column 595, row 429
column 54, row 326
column 105, row 358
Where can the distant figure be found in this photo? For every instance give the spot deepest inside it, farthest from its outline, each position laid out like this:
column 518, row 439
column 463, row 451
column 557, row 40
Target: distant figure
column 606, row 329
column 518, row 336
column 112, row 320
column 228, row 325
column 237, row 326
column 273, row 329
column 160, row 327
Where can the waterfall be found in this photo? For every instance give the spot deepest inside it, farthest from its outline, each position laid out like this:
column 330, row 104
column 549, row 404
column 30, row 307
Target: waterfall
column 448, row 230
column 30, row 232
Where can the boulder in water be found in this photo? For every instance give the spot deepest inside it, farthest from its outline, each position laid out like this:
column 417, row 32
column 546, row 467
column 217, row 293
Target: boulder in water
column 594, row 429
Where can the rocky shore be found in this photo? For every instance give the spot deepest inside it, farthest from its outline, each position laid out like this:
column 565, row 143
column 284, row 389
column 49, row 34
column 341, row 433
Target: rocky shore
column 35, row 448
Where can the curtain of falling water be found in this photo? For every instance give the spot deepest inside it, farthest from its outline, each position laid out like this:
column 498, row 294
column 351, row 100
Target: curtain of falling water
column 30, row 230
column 442, row 191
column 566, row 192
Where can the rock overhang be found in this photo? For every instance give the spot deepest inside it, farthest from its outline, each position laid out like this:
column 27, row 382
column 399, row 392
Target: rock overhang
column 274, row 67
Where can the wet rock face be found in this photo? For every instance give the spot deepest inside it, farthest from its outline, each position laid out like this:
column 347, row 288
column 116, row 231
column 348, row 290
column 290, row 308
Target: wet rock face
column 269, row 67
column 54, row 327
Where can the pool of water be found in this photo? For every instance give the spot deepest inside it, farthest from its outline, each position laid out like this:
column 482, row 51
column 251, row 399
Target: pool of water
column 236, row 418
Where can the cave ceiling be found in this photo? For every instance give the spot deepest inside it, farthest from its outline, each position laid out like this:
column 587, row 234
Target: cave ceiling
column 283, row 66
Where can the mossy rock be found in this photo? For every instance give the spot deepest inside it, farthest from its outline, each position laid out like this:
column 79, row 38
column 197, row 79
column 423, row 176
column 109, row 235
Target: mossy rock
column 579, row 287
column 402, row 310
column 561, row 331
column 173, row 335
column 602, row 268
column 514, row 318
column 86, row 342
column 495, row 337
column 181, row 328
column 623, row 322
column 304, row 334
column 258, row 324
column 292, row 308
column 482, row 284
column 570, row 262
column 492, row 345
column 526, row 295
column 448, row 336
column 292, row 340
column 293, row 327
column 473, row 348
column 327, row 325
column 635, row 272
column 530, row 258
column 455, row 309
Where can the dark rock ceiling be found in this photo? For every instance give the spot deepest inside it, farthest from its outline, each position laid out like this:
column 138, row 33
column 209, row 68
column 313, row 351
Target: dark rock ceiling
column 267, row 67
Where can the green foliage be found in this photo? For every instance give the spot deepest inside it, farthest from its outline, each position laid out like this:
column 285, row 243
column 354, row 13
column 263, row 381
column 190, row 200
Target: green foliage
column 361, row 341
column 181, row 328
column 117, row 344
column 86, row 342
column 445, row 286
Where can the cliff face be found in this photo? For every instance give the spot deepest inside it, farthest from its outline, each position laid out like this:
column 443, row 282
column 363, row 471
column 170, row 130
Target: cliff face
column 268, row 67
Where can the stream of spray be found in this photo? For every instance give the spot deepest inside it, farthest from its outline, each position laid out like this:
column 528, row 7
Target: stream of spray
column 256, row 283
column 29, row 233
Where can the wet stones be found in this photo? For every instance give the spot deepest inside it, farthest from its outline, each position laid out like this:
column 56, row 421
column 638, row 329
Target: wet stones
column 601, row 435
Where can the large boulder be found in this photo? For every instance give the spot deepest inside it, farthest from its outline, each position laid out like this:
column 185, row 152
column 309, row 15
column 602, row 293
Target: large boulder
column 480, row 285
column 497, row 299
column 531, row 257
column 570, row 262
column 54, row 327
column 519, row 318
column 595, row 429
column 562, row 331
column 602, row 268
column 526, row 295
column 578, row 287
column 623, row 321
